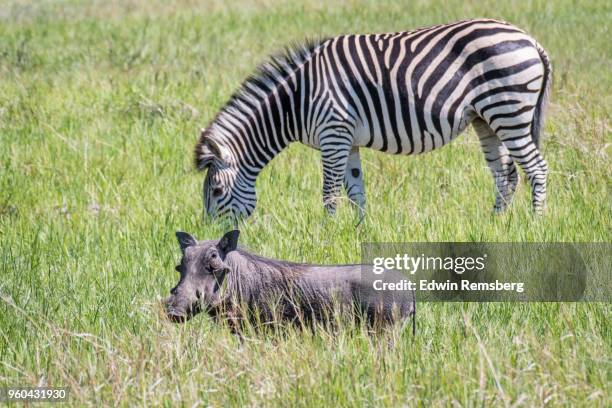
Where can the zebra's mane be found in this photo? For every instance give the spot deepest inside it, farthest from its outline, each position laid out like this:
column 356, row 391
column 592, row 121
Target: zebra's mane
column 264, row 79
column 278, row 66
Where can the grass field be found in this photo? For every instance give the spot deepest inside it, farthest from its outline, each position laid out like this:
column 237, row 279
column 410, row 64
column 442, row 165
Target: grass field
column 100, row 107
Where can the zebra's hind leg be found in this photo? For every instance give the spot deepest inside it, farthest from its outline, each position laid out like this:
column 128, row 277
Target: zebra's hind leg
column 500, row 163
column 525, row 152
column 353, row 182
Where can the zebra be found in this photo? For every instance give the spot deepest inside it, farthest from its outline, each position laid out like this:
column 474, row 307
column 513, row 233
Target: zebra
column 400, row 93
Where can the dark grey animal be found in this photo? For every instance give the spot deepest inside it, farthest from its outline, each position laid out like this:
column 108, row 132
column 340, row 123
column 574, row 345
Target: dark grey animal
column 230, row 283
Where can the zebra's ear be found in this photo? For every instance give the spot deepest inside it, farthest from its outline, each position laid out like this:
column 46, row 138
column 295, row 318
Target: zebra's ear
column 203, row 160
column 208, row 150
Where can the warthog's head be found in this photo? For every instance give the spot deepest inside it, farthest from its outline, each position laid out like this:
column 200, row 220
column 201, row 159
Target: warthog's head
column 203, row 269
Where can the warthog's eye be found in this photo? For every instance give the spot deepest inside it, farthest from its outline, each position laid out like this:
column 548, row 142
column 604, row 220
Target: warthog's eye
column 217, row 192
column 213, row 255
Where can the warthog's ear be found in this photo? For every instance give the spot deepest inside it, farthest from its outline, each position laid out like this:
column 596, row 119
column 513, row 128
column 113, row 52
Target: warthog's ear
column 185, row 240
column 229, row 242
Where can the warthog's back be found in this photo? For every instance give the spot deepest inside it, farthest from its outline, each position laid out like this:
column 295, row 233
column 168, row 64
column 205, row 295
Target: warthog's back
column 354, row 285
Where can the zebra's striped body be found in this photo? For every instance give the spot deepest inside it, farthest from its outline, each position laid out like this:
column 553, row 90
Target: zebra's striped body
column 401, row 93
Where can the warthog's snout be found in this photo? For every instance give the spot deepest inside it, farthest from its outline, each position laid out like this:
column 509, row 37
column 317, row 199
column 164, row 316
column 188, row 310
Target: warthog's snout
column 174, row 313
column 179, row 311
column 177, row 318
column 182, row 305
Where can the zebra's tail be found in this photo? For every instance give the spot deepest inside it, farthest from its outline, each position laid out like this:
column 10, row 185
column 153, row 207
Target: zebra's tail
column 542, row 104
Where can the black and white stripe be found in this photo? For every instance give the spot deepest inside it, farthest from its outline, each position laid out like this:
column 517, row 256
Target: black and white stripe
column 401, row 93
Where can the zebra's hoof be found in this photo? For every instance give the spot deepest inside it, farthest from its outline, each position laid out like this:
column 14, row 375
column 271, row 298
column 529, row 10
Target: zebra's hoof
column 330, row 210
column 499, row 209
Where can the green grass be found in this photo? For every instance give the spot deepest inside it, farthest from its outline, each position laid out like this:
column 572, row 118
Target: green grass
column 100, row 107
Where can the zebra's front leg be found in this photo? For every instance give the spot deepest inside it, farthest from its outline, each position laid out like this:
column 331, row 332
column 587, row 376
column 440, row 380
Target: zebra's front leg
column 334, row 156
column 353, row 182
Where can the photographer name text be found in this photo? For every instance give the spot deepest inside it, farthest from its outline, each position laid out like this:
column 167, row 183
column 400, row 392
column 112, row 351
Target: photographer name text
column 448, row 285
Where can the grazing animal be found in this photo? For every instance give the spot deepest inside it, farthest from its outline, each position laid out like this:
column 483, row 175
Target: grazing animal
column 401, row 93
column 233, row 284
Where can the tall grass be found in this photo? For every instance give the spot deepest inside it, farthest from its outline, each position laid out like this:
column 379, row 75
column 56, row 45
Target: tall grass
column 100, row 106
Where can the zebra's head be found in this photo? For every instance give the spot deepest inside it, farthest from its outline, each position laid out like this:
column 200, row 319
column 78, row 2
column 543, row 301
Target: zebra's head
column 227, row 189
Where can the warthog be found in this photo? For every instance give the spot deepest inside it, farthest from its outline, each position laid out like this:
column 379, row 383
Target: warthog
column 233, row 284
